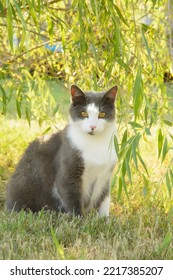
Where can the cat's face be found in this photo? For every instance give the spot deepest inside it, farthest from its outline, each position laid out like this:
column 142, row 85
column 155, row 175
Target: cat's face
column 92, row 112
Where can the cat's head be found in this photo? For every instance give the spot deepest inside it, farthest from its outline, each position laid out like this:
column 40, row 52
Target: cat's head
column 92, row 112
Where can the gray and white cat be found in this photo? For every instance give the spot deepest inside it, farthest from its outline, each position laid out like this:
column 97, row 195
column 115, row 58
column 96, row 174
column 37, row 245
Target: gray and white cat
column 70, row 171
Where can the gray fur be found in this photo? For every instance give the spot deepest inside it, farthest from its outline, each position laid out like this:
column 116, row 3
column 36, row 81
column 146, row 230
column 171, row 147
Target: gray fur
column 43, row 165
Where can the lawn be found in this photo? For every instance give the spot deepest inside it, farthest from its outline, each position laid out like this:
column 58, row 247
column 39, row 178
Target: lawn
column 140, row 227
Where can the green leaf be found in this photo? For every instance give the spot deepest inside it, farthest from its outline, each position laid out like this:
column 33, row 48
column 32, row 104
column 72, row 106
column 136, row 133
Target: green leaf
column 18, row 107
column 146, row 114
column 123, row 143
column 58, row 246
column 23, row 38
column 63, row 38
column 168, row 184
column 142, row 162
column 113, row 181
column 165, row 149
column 147, row 131
column 56, row 109
column 124, row 139
column 171, row 177
column 171, row 135
column 154, row 2
column 117, row 42
column 135, row 125
column 34, row 17
column 145, row 188
column 168, row 123
column 138, row 92
column 128, row 170
column 120, row 185
column 28, row 115
column 123, row 168
column 116, row 145
column 160, row 142
column 10, row 25
column 20, row 14
column 120, row 14
column 74, row 3
column 167, row 240
column 39, row 6
column 125, row 187
column 4, row 100
column 147, row 48
column 4, row 96
column 93, row 4
column 134, row 156
column 46, row 130
column 1, row 8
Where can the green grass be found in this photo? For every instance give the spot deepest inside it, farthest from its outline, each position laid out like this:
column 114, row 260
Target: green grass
column 29, row 236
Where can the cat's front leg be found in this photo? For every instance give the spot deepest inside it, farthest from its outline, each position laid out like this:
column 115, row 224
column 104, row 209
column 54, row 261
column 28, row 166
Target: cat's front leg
column 73, row 203
column 71, row 197
column 104, row 207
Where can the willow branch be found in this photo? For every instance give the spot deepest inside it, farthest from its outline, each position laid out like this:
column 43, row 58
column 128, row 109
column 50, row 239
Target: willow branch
column 19, row 27
column 26, row 52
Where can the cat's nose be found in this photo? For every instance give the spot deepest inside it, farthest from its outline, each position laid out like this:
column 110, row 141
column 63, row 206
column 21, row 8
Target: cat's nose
column 92, row 127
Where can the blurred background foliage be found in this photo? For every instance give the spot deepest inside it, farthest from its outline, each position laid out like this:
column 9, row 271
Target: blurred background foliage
column 48, row 45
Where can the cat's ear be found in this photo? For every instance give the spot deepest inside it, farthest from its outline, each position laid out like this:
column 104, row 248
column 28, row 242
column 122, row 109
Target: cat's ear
column 111, row 94
column 76, row 92
column 77, row 95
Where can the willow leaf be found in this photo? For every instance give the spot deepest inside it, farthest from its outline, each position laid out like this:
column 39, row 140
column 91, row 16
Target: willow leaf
column 160, row 142
column 148, row 49
column 20, row 14
column 10, row 25
column 120, row 14
column 138, row 92
column 168, row 184
column 165, row 149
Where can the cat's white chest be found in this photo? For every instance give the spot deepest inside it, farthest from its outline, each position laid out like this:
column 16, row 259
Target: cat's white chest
column 94, row 180
column 98, row 164
column 99, row 156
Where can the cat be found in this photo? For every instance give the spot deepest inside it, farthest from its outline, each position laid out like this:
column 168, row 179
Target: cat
column 71, row 170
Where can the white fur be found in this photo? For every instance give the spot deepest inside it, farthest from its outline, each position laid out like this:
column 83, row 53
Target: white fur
column 98, row 153
column 104, row 207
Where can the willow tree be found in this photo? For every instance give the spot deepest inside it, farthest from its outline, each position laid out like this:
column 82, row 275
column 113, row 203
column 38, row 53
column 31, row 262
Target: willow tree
column 95, row 44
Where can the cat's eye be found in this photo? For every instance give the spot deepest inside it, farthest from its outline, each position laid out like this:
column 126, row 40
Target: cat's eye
column 102, row 114
column 84, row 114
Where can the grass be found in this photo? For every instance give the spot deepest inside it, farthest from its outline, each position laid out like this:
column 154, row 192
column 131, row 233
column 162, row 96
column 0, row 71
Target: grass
column 138, row 228
column 29, row 236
